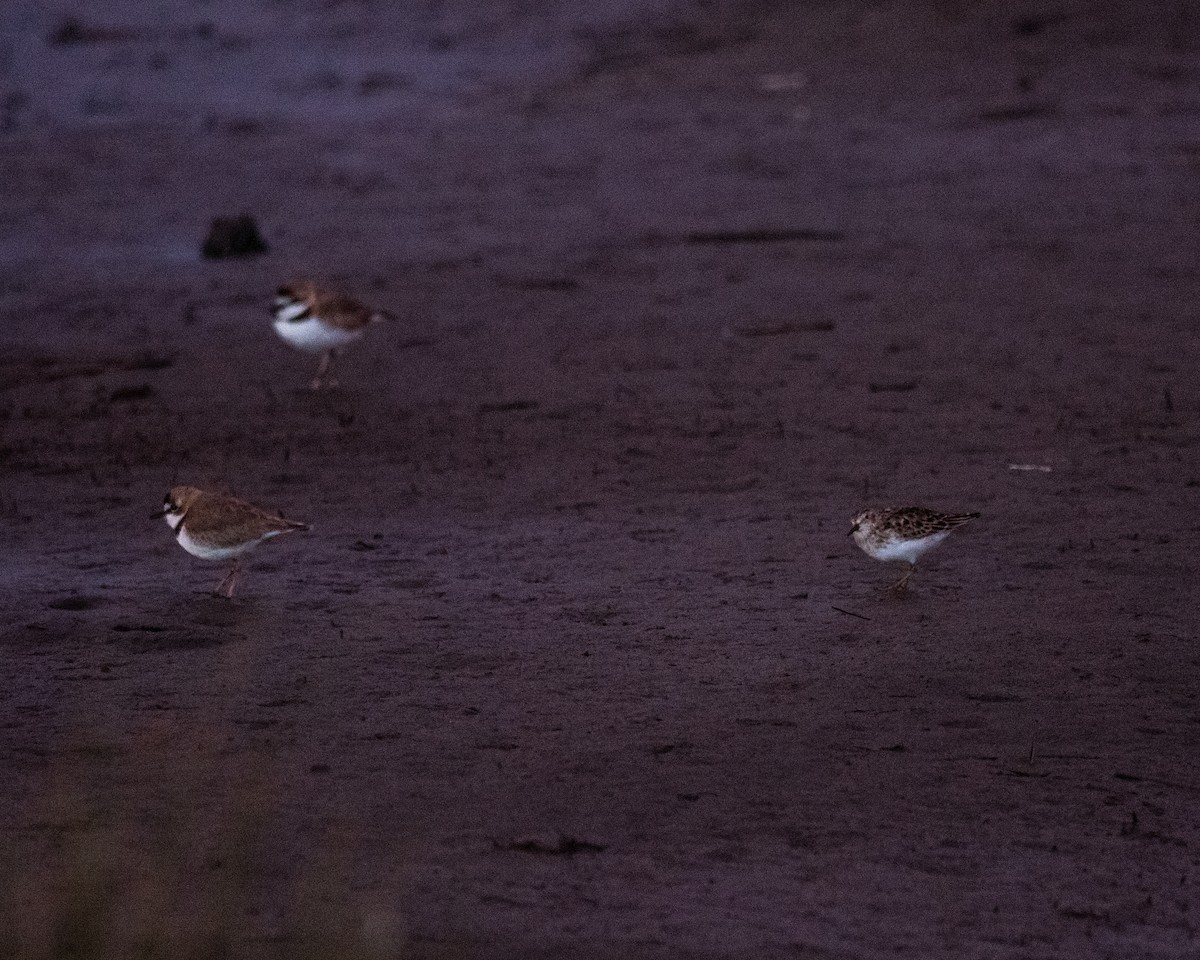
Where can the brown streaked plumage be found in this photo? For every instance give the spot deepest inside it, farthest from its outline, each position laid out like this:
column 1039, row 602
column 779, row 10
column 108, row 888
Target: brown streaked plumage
column 318, row 320
column 903, row 534
column 215, row 526
column 335, row 309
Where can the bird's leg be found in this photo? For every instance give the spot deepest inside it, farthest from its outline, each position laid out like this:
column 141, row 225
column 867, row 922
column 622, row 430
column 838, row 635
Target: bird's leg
column 224, row 580
column 900, row 587
column 231, row 579
column 322, row 369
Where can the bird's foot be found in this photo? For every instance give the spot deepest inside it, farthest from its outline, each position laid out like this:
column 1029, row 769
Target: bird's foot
column 899, row 589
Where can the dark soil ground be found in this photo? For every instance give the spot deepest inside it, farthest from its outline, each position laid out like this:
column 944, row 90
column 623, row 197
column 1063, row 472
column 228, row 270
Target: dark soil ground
column 577, row 660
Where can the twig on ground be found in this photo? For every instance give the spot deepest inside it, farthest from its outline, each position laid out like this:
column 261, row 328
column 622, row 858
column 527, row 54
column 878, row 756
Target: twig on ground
column 851, row 613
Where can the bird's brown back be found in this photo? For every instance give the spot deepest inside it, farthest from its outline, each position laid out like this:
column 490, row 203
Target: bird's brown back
column 335, row 309
column 224, row 521
column 342, row 312
column 921, row 522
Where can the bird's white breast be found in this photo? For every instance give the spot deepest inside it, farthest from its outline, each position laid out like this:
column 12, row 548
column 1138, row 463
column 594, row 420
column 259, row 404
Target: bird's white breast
column 287, row 309
column 206, row 551
column 313, row 336
column 905, row 551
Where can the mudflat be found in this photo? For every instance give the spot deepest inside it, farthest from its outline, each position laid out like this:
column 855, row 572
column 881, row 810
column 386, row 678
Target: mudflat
column 577, row 659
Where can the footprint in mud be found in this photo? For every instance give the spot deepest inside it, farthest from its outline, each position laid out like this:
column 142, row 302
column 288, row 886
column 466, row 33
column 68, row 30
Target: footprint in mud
column 183, row 623
column 188, row 622
column 77, row 602
column 146, row 636
column 72, row 636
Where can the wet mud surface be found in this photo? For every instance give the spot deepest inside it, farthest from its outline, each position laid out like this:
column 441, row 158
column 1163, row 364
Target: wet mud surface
column 577, row 660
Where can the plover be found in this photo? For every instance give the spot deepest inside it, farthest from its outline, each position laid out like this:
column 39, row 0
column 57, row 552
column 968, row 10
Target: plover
column 903, row 535
column 214, row 526
column 316, row 320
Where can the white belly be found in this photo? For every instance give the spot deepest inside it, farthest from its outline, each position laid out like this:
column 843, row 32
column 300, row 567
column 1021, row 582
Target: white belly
column 313, row 336
column 206, row 552
column 907, row 551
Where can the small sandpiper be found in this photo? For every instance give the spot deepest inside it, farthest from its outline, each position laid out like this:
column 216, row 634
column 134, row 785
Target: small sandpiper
column 903, row 535
column 214, row 526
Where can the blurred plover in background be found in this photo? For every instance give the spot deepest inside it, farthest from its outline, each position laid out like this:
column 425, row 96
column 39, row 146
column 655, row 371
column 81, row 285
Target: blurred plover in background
column 316, row 320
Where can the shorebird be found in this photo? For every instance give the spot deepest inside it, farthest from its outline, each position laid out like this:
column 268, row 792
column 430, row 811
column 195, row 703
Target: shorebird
column 214, row 526
column 317, row 320
column 903, row 535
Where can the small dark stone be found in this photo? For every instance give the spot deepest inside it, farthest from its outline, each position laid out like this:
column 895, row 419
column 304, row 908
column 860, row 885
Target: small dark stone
column 141, row 391
column 69, row 31
column 76, row 602
column 233, row 237
column 1033, row 25
column 561, row 845
column 379, row 80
